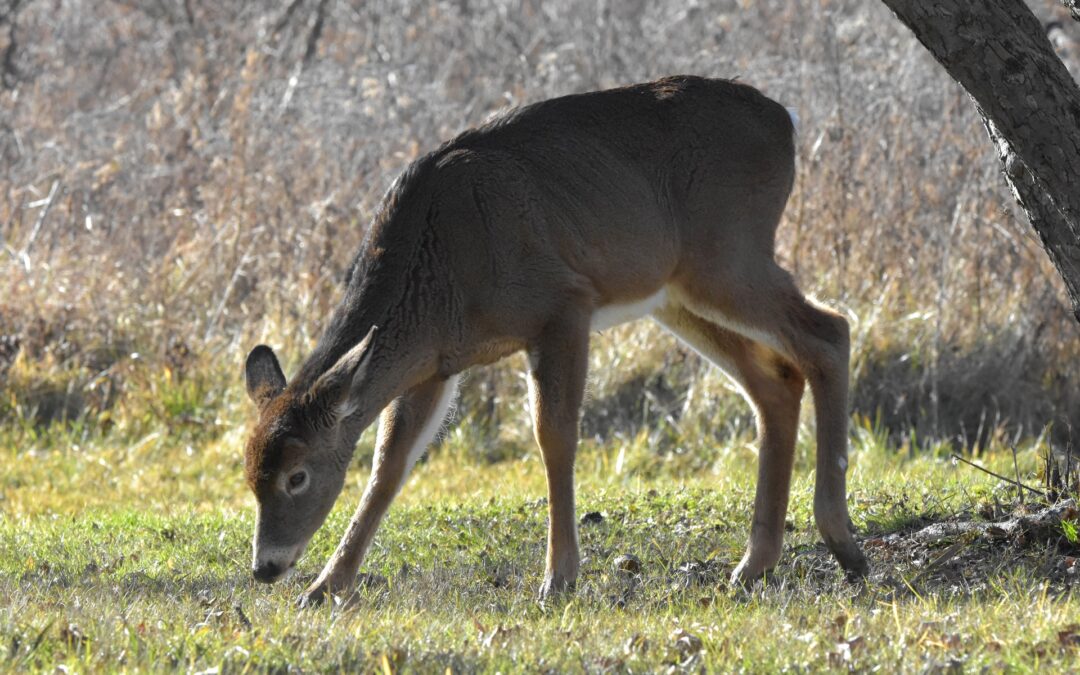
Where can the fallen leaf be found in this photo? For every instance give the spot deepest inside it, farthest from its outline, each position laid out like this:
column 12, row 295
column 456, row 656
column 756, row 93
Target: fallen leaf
column 73, row 635
column 838, row 624
column 637, row 644
column 627, row 564
column 592, row 518
column 1069, row 636
column 686, row 643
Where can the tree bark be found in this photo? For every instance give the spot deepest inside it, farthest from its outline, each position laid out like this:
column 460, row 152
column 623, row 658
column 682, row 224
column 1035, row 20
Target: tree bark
column 997, row 50
column 1074, row 7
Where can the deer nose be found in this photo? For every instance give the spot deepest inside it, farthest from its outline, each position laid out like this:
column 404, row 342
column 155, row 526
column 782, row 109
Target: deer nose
column 266, row 572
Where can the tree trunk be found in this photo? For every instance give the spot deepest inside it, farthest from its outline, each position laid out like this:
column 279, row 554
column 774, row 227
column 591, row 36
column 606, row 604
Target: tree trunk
column 997, row 50
column 1074, row 7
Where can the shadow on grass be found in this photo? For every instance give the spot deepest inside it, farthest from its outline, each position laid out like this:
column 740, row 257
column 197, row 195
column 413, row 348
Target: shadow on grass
column 1006, row 385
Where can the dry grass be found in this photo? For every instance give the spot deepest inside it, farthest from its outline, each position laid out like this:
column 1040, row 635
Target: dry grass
column 185, row 179
column 180, row 180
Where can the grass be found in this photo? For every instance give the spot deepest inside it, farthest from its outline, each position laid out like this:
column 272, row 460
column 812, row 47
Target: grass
column 134, row 556
column 185, row 180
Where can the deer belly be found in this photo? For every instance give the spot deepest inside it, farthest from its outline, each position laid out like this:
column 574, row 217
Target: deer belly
column 614, row 314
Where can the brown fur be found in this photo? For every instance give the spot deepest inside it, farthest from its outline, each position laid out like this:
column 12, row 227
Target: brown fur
column 266, row 450
column 512, row 236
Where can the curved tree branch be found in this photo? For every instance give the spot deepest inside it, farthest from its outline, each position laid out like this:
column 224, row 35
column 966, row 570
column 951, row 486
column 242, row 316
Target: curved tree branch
column 1074, row 7
column 997, row 50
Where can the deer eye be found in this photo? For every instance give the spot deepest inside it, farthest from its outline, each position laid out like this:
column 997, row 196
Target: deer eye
column 297, row 480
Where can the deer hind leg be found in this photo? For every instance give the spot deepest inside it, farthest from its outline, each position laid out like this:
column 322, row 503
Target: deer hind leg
column 765, row 306
column 406, row 428
column 558, row 362
column 774, row 388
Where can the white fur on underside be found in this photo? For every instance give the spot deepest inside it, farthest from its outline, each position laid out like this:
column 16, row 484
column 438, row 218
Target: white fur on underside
column 793, row 113
column 610, row 316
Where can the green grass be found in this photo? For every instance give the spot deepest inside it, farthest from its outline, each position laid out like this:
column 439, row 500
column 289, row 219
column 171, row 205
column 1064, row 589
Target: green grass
column 199, row 212
column 133, row 555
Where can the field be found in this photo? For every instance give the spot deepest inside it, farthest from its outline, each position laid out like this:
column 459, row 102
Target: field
column 180, row 181
column 135, row 558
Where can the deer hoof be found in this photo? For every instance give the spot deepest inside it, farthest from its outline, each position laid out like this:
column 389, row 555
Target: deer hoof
column 315, row 595
column 555, row 586
column 855, row 567
column 851, row 558
column 744, row 576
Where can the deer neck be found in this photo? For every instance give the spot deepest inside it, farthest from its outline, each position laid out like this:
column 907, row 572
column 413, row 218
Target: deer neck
column 392, row 286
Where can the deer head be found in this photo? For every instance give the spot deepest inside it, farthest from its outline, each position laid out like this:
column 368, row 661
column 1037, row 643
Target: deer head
column 297, row 454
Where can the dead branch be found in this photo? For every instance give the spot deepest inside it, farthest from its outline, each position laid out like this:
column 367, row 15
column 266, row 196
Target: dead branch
column 999, row 476
column 40, row 222
column 9, row 71
column 315, row 33
column 1044, row 522
column 286, row 17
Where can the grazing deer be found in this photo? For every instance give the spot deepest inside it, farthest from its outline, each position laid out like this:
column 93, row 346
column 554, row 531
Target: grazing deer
column 552, row 221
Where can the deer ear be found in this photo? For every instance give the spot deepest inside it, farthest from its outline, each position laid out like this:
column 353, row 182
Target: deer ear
column 263, row 376
column 334, row 390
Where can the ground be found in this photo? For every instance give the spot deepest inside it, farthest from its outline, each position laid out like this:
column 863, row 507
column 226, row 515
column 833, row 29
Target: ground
column 183, row 181
column 137, row 557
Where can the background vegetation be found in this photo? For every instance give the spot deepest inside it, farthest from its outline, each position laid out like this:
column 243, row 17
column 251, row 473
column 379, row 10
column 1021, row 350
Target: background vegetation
column 181, row 180
column 186, row 179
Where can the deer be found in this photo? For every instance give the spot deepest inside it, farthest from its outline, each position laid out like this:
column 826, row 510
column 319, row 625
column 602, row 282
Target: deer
column 530, row 232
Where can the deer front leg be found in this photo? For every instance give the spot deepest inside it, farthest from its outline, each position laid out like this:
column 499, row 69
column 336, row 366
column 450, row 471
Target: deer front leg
column 558, row 363
column 406, row 428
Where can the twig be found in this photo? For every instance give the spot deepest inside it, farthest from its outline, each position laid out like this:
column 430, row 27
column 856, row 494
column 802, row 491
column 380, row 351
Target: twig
column 237, row 273
column 315, row 28
column 999, row 476
column 41, row 217
column 1016, row 470
column 966, row 539
column 285, row 17
column 9, row 72
column 1067, row 483
column 244, row 621
column 943, row 281
column 315, row 33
